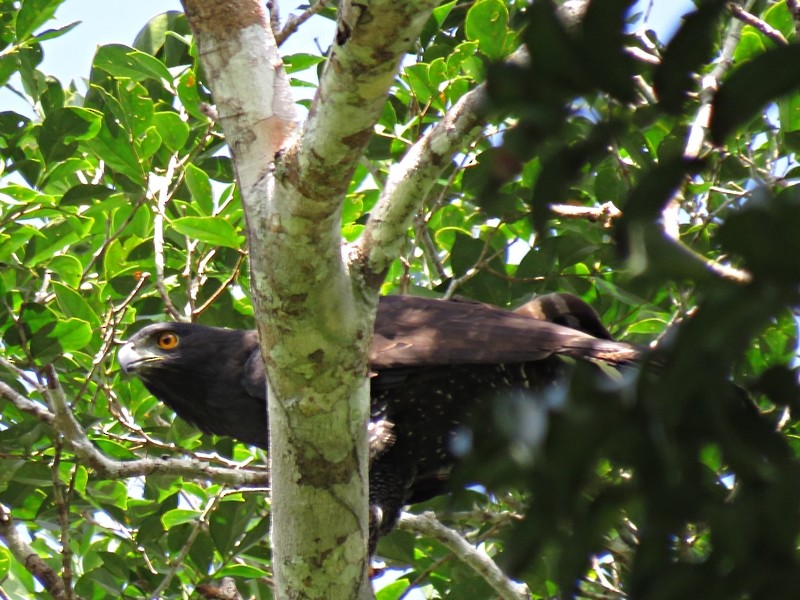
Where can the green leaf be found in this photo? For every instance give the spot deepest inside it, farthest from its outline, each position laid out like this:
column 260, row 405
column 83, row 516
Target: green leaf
column 245, row 571
column 85, row 193
column 230, row 521
column 128, row 63
column 780, row 17
column 149, row 143
column 154, row 35
column 750, row 44
column 13, row 240
column 116, row 148
column 487, row 23
column 51, row 34
column 74, row 305
column 393, row 591
column 173, row 130
column 417, row 76
column 137, row 108
column 5, row 562
column 57, row 236
column 789, row 112
column 19, row 195
column 300, row 62
column 114, row 259
column 179, row 516
column 58, row 338
column 199, row 185
column 750, row 87
column 9, row 64
column 189, row 96
column 440, row 12
column 68, row 268
column 115, row 564
column 211, row 230
column 764, row 232
column 33, row 14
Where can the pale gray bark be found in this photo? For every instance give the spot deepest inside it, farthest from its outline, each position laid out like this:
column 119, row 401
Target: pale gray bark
column 314, row 318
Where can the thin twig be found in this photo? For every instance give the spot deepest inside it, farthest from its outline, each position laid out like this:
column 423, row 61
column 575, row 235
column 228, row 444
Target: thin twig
column 162, row 198
column 75, row 438
column 483, row 565
column 24, row 553
column 752, row 20
column 25, row 405
column 642, row 56
column 423, row 234
column 61, row 502
column 110, row 238
column 194, row 282
column 140, row 281
column 19, row 374
column 224, row 286
column 709, row 84
column 606, row 212
column 294, row 22
column 482, row 262
column 177, row 563
column 274, row 17
column 225, row 591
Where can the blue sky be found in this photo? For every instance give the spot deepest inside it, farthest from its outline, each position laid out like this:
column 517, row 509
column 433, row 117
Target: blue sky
column 103, row 22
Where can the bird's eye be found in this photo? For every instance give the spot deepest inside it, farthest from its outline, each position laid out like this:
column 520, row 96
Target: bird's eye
column 167, row 340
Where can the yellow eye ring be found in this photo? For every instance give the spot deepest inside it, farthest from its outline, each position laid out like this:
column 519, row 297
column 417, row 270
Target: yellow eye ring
column 167, row 340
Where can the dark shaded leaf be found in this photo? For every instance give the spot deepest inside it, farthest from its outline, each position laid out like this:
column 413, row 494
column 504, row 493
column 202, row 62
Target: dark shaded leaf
column 689, row 49
column 602, row 33
column 751, row 86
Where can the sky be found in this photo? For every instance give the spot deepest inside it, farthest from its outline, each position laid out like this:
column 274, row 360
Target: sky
column 102, row 21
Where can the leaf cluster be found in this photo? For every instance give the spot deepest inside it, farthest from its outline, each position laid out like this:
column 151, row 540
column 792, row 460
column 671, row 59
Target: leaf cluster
column 118, row 207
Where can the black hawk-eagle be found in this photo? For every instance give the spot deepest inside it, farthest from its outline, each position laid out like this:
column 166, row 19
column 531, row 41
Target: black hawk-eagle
column 433, row 363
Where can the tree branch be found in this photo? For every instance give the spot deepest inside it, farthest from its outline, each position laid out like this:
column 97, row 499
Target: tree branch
column 426, row 524
column 752, row 20
column 61, row 502
column 294, row 22
column 25, row 555
column 709, row 84
column 62, row 420
column 606, row 212
column 307, row 308
column 162, row 196
column 411, row 179
column 225, row 591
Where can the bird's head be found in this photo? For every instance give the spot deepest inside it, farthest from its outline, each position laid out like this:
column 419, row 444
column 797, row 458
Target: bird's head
column 212, row 377
column 159, row 346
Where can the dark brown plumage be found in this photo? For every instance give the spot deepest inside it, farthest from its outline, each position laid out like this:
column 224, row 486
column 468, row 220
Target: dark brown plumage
column 433, row 363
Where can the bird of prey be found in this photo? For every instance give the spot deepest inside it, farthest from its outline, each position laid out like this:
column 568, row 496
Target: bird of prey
column 433, row 364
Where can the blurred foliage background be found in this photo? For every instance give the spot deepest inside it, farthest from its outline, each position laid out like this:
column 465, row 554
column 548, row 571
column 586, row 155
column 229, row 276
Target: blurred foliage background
column 656, row 181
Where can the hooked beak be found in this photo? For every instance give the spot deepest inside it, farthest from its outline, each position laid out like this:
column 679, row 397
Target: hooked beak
column 131, row 359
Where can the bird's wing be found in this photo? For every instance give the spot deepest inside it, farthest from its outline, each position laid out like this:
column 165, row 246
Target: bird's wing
column 254, row 377
column 565, row 309
column 414, row 331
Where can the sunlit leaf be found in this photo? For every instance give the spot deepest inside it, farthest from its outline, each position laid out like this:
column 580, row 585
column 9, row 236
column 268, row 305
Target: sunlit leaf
column 129, row 63
column 212, row 230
